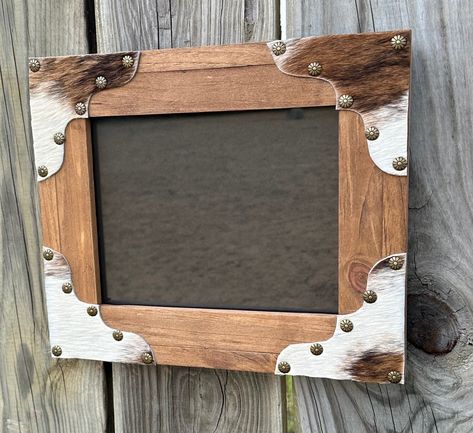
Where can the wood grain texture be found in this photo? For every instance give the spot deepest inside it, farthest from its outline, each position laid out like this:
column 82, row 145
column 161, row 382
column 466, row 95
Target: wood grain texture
column 436, row 396
column 56, row 28
column 187, row 400
column 148, row 24
column 227, row 339
column 372, row 213
column 37, row 394
column 68, row 212
column 184, row 400
column 220, row 81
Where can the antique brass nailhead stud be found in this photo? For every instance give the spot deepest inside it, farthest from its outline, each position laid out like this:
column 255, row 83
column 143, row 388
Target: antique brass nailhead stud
column 80, row 108
column 346, row 325
column 314, row 69
column 118, row 335
column 59, row 138
column 372, row 133
column 34, row 65
column 400, row 163
column 56, row 350
column 284, row 367
column 127, row 61
column 278, row 48
column 43, row 170
column 345, row 101
column 147, row 357
column 394, row 376
column 370, row 297
column 48, row 254
column 398, row 42
column 101, row 82
column 67, row 287
column 92, row 310
column 395, row 263
column 316, row 349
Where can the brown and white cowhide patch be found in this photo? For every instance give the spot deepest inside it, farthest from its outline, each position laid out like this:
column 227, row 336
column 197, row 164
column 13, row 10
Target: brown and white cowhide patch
column 78, row 334
column 56, row 88
column 376, row 344
column 377, row 77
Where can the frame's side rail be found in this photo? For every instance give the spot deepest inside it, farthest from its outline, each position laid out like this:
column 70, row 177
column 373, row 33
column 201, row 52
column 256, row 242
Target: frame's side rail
column 372, row 213
column 68, row 208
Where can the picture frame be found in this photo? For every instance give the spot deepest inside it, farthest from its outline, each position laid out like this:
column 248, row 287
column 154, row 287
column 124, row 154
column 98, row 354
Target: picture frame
column 365, row 76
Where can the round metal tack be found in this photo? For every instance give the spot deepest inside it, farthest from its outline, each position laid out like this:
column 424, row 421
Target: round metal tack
column 34, row 65
column 59, row 138
column 284, row 367
column 369, row 296
column 399, row 42
column 394, row 376
column 48, row 254
column 118, row 335
column 346, row 325
column 127, row 61
column 101, row 82
column 372, row 133
column 316, row 349
column 278, row 48
column 92, row 310
column 67, row 287
column 147, row 357
column 42, row 171
column 314, row 69
column 395, row 263
column 80, row 108
column 56, row 350
column 400, row 163
column 345, row 101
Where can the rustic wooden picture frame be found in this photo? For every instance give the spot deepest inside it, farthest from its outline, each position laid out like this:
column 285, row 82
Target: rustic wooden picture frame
column 365, row 76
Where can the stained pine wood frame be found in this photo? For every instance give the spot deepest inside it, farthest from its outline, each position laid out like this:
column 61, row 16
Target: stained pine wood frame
column 372, row 202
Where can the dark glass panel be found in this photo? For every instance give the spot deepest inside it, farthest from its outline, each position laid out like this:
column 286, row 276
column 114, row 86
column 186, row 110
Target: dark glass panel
column 219, row 210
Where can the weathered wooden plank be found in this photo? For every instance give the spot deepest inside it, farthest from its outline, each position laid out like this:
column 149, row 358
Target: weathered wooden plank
column 261, row 20
column 56, row 28
column 171, row 399
column 175, row 399
column 440, row 300
column 148, row 24
column 37, row 394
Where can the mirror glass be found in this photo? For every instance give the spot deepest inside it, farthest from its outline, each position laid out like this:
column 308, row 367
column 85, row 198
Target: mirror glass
column 219, row 210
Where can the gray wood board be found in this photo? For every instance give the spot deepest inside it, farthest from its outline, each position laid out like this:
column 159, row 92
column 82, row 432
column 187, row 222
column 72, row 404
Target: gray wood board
column 151, row 24
column 437, row 395
column 37, row 394
column 171, row 399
